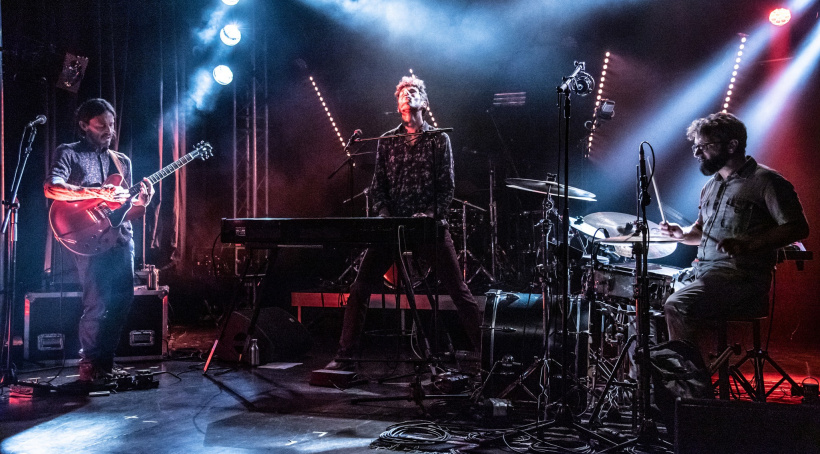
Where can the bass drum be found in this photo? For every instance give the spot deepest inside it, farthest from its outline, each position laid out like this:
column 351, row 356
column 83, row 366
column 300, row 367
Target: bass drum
column 512, row 339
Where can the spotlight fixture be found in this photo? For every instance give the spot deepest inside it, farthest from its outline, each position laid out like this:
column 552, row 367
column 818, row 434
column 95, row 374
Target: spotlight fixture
column 230, row 35
column 230, row 2
column 780, row 16
column 72, row 73
column 223, row 75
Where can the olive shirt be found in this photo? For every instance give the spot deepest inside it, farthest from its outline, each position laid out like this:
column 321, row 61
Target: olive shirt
column 750, row 201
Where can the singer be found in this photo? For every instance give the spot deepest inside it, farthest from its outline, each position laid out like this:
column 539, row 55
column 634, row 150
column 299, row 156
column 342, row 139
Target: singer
column 747, row 212
column 413, row 177
column 78, row 171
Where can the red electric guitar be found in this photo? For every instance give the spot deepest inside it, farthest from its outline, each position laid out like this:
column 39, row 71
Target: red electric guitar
column 85, row 226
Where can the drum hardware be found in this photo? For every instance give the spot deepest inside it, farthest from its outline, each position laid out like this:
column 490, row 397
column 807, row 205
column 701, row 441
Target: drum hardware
column 512, row 337
column 465, row 253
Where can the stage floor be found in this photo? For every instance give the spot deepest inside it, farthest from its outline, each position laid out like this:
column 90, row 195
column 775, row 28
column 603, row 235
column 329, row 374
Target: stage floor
column 239, row 409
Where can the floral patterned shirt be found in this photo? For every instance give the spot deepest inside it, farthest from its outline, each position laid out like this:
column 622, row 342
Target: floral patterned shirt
column 413, row 178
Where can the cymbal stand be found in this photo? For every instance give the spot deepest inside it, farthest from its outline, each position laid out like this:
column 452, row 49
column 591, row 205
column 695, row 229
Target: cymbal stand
column 465, row 253
column 493, row 224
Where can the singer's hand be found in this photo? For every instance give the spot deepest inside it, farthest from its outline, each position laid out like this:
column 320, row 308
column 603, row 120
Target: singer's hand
column 671, row 230
column 113, row 193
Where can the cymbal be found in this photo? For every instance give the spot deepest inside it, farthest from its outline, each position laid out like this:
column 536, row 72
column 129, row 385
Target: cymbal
column 659, row 246
column 578, row 224
column 549, row 187
column 625, row 226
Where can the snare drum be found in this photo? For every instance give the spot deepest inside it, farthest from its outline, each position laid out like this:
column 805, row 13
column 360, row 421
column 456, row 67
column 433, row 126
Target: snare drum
column 616, row 284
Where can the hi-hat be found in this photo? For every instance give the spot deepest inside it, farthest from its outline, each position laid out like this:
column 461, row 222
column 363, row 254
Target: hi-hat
column 549, row 187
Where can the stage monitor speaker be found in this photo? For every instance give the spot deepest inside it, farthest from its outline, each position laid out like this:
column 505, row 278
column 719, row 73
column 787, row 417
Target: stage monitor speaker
column 745, row 427
column 279, row 335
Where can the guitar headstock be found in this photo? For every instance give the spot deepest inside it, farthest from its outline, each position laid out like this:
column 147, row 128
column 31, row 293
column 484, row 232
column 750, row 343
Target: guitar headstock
column 203, row 150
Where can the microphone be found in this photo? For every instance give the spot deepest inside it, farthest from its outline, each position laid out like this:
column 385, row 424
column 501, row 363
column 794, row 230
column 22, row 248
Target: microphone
column 40, row 120
column 643, row 180
column 356, row 134
column 437, row 130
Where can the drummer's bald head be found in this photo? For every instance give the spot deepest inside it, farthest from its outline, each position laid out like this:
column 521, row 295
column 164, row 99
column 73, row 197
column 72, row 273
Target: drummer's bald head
column 722, row 127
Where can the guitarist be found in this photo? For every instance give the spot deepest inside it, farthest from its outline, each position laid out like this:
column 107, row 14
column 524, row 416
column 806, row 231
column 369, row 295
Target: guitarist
column 78, row 172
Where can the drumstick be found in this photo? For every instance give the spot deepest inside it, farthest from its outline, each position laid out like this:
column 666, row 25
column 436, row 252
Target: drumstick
column 658, row 196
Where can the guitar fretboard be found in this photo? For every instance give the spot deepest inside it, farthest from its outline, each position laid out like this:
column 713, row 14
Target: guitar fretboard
column 168, row 170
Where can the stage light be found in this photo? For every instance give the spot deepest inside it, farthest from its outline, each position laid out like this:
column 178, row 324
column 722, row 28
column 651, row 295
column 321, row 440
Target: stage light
column 230, row 35
column 230, row 2
column 327, row 111
column 780, row 16
column 223, row 75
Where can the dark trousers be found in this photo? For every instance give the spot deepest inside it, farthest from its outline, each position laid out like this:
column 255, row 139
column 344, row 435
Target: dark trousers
column 377, row 261
column 693, row 312
column 108, row 291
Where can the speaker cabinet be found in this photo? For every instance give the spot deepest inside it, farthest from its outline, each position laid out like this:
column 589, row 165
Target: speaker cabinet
column 744, row 427
column 51, row 321
column 279, row 335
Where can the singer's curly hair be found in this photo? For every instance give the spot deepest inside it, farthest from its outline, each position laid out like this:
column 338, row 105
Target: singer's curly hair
column 413, row 81
column 719, row 126
column 90, row 109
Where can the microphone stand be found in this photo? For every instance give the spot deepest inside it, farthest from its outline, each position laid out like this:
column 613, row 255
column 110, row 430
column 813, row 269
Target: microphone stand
column 648, row 434
column 564, row 417
column 8, row 373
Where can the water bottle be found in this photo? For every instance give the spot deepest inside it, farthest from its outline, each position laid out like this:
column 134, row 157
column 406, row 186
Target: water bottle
column 254, row 353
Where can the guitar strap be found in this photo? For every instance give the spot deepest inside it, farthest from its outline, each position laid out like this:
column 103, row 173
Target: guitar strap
column 127, row 205
column 117, row 162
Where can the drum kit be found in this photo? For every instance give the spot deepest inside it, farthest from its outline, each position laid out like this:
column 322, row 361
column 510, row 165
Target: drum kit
column 604, row 249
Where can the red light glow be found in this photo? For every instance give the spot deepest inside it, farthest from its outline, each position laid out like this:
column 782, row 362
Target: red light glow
column 780, row 16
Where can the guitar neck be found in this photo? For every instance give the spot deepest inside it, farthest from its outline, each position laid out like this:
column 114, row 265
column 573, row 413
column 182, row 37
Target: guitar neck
column 165, row 171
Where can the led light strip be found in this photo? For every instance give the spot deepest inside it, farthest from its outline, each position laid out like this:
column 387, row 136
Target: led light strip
column 732, row 80
column 327, row 111
column 429, row 112
column 597, row 104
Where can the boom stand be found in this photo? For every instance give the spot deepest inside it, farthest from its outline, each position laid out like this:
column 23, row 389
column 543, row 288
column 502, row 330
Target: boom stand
column 8, row 373
column 564, row 417
column 647, row 429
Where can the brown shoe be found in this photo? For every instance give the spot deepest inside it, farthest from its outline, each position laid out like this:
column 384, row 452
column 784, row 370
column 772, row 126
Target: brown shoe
column 87, row 372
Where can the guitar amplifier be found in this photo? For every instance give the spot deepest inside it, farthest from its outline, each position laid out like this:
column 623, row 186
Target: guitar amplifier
column 51, row 322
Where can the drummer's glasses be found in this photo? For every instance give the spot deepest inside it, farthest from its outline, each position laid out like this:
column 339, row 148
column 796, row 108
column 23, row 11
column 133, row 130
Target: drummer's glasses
column 702, row 146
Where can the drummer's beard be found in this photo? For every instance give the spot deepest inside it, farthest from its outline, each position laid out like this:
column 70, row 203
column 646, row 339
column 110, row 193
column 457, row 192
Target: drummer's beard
column 710, row 166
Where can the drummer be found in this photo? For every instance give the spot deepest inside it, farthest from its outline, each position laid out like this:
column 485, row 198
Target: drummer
column 747, row 211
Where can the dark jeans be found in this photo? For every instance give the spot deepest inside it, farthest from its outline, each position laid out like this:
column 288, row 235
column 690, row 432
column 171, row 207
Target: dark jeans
column 108, row 291
column 377, row 260
column 693, row 312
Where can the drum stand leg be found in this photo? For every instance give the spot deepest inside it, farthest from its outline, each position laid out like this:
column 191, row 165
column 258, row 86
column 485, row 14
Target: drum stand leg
column 597, row 410
column 540, row 363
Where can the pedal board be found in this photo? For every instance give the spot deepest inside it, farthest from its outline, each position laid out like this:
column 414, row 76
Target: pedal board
column 335, row 378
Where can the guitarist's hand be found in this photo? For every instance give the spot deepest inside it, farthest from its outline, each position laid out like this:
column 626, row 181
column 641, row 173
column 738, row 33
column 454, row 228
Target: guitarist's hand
column 113, row 193
column 145, row 194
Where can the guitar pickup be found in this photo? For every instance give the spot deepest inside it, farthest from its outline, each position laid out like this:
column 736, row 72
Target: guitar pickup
column 99, row 212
